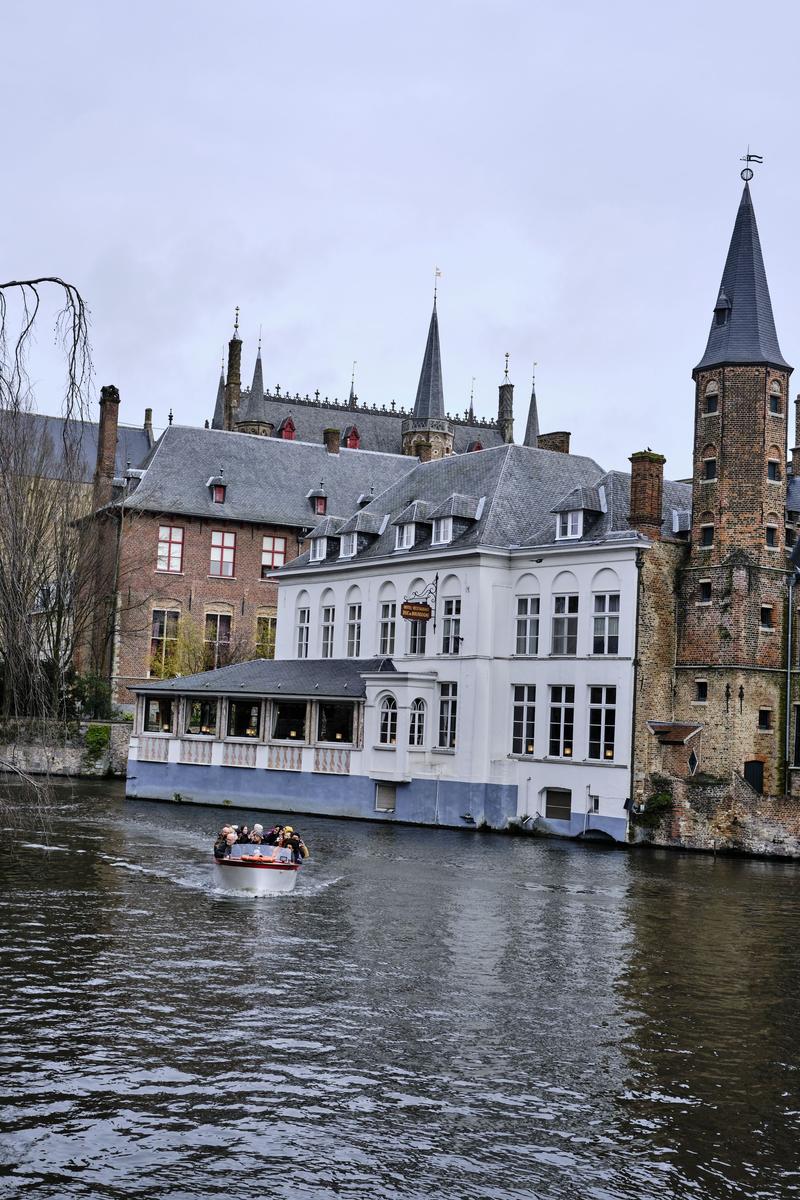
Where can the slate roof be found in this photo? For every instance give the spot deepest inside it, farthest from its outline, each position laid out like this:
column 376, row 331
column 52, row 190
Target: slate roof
column 266, row 478
column 793, row 494
column 748, row 335
column 133, row 445
column 430, row 393
column 532, row 427
column 218, row 420
column 614, row 490
column 339, row 678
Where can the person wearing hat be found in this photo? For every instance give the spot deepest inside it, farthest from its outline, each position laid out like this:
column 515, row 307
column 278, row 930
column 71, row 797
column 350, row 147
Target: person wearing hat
column 221, row 845
column 257, row 835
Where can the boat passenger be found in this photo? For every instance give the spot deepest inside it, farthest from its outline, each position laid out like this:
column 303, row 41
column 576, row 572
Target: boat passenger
column 257, row 835
column 273, row 838
column 244, row 835
column 221, row 846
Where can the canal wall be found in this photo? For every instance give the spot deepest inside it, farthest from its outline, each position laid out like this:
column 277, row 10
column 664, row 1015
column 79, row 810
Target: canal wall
column 97, row 749
column 718, row 815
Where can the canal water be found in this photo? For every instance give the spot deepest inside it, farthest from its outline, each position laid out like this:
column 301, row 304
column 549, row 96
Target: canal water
column 436, row 1015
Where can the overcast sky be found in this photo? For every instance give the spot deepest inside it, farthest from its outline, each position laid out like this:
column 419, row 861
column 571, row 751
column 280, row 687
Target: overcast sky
column 572, row 167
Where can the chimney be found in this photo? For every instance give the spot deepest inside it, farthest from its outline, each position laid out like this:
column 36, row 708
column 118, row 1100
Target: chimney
column 104, row 471
column 233, row 388
column 505, row 411
column 148, row 425
column 559, row 441
column 647, row 489
column 333, row 440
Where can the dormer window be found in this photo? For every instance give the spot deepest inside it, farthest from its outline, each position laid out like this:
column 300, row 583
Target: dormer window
column 320, row 505
column 570, row 525
column 404, row 537
column 349, row 545
column 319, row 549
column 218, row 493
column 442, row 531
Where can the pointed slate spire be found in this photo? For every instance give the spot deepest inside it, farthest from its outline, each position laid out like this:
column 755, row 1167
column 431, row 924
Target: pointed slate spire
column 257, row 388
column 532, row 428
column 218, row 420
column 430, row 393
column 743, row 328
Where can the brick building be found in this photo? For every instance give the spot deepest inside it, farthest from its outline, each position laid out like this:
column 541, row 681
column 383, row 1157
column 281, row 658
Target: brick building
column 715, row 623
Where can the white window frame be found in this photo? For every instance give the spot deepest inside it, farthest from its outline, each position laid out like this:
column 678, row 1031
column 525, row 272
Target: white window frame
column 523, row 719
column 417, row 638
column 327, row 630
column 404, row 536
column 442, row 531
column 348, row 545
column 565, row 623
column 387, row 722
column 416, row 723
column 354, row 630
column 302, row 632
column 603, row 715
column 448, row 715
column 386, row 628
column 527, row 627
column 605, row 622
column 561, row 716
column 319, row 549
column 451, row 625
column 569, row 525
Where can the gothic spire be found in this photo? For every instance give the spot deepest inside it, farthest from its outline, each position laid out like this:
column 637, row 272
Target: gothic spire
column 743, row 328
column 430, row 394
column 218, row 420
column 532, row 428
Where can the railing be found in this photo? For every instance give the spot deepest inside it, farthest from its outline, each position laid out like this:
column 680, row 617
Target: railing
column 153, row 749
column 332, row 761
column 285, row 758
column 238, row 754
column 193, row 750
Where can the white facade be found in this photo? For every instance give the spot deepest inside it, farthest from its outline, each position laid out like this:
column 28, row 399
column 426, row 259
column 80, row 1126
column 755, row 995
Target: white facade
column 566, row 775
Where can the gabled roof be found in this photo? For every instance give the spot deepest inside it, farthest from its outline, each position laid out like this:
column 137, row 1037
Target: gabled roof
column 458, row 505
column 340, row 678
column 328, row 527
column 363, row 522
column 585, row 499
column 266, row 478
column 430, row 393
column 747, row 335
column 415, row 512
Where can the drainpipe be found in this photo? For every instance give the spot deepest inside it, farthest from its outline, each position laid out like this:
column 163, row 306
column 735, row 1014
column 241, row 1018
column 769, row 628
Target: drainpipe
column 787, row 754
column 639, row 565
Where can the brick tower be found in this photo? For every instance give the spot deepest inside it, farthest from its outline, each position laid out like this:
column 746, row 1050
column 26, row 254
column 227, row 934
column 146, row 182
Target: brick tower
column 730, row 659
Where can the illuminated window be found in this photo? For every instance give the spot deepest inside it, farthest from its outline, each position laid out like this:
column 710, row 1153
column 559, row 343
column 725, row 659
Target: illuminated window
column 524, row 720
column 562, row 721
column 602, row 722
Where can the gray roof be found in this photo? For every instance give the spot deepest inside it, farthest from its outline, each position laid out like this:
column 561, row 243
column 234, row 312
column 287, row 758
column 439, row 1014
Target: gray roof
column 305, row 677
column 251, row 405
column 748, row 335
column 793, row 493
column 586, row 499
column 218, row 420
column 519, row 486
column 48, row 433
column 380, row 429
column 457, row 505
column 363, row 522
column 616, row 491
column 415, row 512
column 266, row 478
column 430, row 393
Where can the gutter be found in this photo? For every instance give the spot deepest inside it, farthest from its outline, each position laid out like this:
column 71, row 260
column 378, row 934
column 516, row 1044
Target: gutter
column 639, row 566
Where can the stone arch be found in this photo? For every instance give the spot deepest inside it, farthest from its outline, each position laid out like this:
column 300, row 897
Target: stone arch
column 605, row 580
column 450, row 586
column 527, row 585
column 565, row 581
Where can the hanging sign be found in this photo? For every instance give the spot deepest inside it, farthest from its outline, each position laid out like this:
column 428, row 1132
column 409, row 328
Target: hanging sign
column 413, row 610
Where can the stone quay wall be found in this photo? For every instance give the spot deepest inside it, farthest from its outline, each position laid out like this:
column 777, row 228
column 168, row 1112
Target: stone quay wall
column 721, row 815
column 99, row 749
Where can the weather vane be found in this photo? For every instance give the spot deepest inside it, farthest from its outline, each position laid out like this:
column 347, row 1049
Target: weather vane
column 236, row 323
column 507, row 358
column 437, row 274
column 747, row 173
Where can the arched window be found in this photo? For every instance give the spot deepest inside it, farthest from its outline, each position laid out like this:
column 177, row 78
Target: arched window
column 416, row 728
column 712, row 397
column 709, row 460
column 388, row 729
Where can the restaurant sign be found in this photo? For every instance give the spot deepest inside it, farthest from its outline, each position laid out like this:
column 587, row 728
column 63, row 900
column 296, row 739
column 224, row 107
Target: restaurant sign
column 413, row 610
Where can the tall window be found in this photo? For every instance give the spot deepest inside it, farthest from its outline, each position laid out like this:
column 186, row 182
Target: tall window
column 524, row 719
column 353, row 630
column 562, row 720
column 223, row 553
column 404, row 537
column 527, row 625
column 451, row 625
column 602, row 721
column 565, row 624
column 328, row 623
column 319, row 548
column 163, row 642
column 348, row 545
column 266, row 627
column 170, row 548
column 416, row 726
column 442, row 532
column 605, row 635
column 712, row 398
column 570, row 525
column 775, row 397
column 448, row 711
column 388, row 723
column 303, row 622
column 417, row 637
column 216, row 640
column 386, row 629
column 273, row 554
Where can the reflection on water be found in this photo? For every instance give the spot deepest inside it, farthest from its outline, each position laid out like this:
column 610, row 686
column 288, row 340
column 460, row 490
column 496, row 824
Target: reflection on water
column 429, row 1014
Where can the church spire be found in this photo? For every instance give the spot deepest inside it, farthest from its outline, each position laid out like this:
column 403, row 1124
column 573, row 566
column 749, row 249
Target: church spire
column 430, row 393
column 532, row 428
column 218, row 420
column 743, row 328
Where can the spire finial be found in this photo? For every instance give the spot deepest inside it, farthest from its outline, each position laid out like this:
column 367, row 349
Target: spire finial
column 222, row 364
column 437, row 274
column 505, row 378
column 353, row 375
column 747, row 173
column 533, row 376
column 236, row 322
column 259, row 339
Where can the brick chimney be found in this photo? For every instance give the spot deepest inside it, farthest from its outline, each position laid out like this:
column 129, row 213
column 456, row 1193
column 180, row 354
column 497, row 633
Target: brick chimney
column 558, row 441
column 505, row 410
column 148, row 424
column 647, row 489
column 104, row 471
column 233, row 388
column 333, row 440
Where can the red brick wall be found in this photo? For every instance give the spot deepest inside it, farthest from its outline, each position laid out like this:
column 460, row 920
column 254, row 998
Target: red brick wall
column 142, row 587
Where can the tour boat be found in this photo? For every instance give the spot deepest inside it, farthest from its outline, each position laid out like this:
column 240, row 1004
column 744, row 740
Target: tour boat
column 262, row 870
